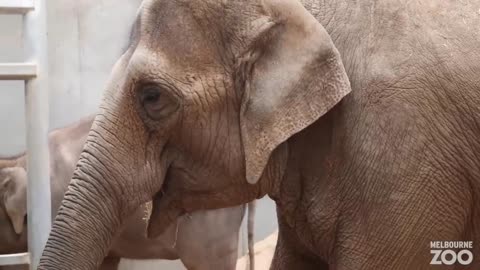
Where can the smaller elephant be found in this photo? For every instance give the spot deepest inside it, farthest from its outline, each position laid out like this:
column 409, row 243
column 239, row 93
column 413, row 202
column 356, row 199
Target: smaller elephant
column 201, row 240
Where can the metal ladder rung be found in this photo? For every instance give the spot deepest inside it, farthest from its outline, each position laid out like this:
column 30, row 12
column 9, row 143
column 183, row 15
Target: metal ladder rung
column 17, row 71
column 15, row 259
column 16, row 6
column 36, row 103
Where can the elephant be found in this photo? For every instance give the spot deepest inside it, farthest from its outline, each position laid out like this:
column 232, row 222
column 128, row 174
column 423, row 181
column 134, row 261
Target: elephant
column 202, row 240
column 358, row 118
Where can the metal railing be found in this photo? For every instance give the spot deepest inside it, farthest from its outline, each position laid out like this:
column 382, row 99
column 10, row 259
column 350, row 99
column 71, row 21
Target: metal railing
column 35, row 74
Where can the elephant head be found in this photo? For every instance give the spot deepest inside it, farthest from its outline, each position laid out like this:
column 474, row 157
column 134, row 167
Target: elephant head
column 193, row 116
column 13, row 195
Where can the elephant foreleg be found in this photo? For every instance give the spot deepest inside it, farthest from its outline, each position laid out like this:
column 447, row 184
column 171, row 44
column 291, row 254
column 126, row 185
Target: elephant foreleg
column 286, row 257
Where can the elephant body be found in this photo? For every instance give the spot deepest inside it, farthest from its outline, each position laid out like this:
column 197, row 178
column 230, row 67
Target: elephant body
column 202, row 240
column 359, row 118
column 394, row 165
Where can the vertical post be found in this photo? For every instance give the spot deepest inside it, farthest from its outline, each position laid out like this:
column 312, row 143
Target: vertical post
column 37, row 117
column 243, row 249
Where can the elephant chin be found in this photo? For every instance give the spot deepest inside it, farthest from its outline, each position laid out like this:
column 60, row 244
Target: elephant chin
column 164, row 211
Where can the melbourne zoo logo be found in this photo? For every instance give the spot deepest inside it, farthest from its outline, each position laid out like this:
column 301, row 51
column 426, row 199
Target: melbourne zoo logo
column 450, row 252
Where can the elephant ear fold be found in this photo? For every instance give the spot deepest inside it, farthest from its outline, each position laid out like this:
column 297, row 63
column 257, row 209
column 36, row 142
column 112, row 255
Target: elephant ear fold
column 291, row 75
column 13, row 182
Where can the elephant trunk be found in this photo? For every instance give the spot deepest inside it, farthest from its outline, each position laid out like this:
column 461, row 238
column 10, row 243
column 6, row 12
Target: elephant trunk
column 86, row 222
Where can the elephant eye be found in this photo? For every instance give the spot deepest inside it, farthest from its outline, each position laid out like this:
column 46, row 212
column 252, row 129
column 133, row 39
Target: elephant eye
column 156, row 103
column 151, row 97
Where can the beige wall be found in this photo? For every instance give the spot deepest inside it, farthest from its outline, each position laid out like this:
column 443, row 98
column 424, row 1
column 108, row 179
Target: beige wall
column 85, row 39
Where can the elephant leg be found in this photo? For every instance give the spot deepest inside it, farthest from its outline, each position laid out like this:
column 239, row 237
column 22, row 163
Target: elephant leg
column 110, row 263
column 209, row 239
column 221, row 256
column 287, row 257
column 290, row 254
column 227, row 262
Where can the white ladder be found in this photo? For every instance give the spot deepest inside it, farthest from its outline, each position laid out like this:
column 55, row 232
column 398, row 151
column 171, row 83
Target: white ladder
column 35, row 74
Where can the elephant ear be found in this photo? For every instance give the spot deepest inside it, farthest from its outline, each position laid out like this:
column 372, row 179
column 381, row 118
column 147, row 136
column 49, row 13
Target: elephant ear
column 291, row 75
column 13, row 182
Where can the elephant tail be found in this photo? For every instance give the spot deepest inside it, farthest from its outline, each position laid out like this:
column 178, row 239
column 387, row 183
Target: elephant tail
column 250, row 234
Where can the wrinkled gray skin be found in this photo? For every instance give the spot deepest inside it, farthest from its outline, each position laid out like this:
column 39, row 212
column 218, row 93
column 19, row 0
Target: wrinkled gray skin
column 204, row 240
column 361, row 122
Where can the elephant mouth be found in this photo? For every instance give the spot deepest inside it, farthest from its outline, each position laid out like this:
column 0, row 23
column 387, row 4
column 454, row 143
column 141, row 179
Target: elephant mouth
column 165, row 209
column 165, row 187
column 161, row 193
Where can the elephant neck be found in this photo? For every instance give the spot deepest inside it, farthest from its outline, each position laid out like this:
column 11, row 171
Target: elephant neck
column 305, row 196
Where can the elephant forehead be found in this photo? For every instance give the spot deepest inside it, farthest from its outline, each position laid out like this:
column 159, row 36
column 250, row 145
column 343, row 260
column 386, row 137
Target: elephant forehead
column 169, row 28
